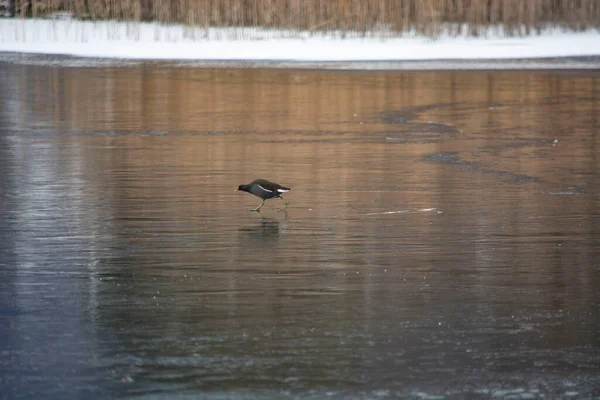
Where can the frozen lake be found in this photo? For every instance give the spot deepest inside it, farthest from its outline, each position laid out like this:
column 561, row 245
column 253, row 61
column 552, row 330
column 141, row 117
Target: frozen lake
column 442, row 238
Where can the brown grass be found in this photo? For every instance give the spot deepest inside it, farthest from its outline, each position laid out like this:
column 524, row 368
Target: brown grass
column 357, row 16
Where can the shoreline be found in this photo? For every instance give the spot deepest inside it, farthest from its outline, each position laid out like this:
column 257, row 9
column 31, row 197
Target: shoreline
column 588, row 65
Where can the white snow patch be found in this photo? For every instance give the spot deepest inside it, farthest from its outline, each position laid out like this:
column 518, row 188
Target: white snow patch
column 154, row 41
column 402, row 211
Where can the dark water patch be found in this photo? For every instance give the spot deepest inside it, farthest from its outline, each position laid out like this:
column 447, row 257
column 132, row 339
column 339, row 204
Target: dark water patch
column 407, row 115
column 433, row 127
column 398, row 117
column 406, row 129
column 446, row 158
column 472, row 166
column 508, row 176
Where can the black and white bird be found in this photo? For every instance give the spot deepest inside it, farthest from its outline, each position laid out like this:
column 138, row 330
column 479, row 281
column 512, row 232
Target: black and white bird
column 265, row 190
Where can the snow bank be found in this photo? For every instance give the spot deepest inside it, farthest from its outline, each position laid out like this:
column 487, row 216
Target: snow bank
column 152, row 41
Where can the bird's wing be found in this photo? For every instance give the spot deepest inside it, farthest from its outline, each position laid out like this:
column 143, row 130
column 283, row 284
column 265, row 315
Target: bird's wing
column 266, row 185
column 264, row 188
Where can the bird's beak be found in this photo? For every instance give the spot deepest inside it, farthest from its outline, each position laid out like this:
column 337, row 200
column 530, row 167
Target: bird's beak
column 237, row 190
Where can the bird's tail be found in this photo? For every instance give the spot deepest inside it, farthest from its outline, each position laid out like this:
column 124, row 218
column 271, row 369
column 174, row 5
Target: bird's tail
column 283, row 189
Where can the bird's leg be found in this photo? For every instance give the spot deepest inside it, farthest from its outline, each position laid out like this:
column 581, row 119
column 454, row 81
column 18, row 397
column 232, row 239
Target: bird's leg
column 258, row 208
column 285, row 203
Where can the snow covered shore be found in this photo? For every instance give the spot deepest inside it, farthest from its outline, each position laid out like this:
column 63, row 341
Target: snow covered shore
column 152, row 41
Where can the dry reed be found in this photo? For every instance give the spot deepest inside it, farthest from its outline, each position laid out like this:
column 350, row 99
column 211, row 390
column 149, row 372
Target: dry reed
column 356, row 16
